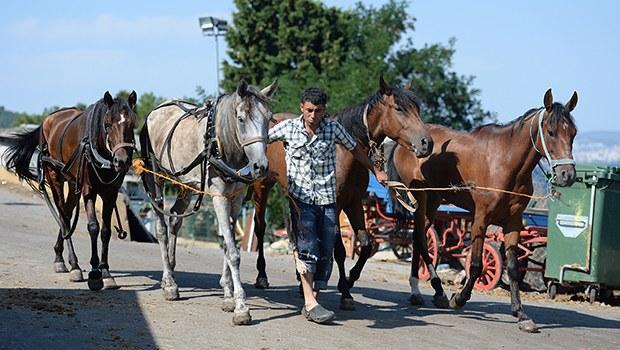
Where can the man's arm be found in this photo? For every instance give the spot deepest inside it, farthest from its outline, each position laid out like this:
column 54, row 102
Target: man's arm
column 278, row 132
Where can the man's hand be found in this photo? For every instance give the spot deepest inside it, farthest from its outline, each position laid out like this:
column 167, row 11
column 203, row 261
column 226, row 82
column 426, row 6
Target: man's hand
column 381, row 176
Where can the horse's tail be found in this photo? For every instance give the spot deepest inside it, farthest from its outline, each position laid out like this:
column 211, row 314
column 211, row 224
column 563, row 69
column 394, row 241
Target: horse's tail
column 392, row 173
column 20, row 149
column 146, row 151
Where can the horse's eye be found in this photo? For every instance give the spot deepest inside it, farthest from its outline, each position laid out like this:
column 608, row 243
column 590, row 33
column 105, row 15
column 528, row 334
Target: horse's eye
column 399, row 109
column 550, row 132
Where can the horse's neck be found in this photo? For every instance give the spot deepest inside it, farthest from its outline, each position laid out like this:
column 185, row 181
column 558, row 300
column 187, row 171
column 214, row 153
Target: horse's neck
column 521, row 147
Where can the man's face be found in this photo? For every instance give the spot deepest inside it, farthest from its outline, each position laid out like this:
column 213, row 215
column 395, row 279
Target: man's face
column 313, row 114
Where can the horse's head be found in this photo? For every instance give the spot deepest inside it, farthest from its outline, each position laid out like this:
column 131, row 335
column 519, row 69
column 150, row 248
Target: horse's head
column 556, row 132
column 400, row 120
column 252, row 115
column 119, row 122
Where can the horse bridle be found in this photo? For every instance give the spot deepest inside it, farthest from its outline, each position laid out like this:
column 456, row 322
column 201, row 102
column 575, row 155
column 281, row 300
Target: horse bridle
column 552, row 162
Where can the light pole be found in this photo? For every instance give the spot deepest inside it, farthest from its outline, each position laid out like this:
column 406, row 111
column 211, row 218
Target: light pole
column 215, row 27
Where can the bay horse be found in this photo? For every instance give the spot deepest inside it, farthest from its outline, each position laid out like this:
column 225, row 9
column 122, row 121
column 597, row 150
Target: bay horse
column 389, row 112
column 495, row 156
column 179, row 139
column 91, row 151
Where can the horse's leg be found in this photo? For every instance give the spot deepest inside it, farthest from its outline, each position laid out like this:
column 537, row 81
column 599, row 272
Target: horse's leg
column 478, row 229
column 511, row 240
column 168, row 284
column 174, row 224
column 95, row 280
column 223, row 209
column 261, row 193
column 440, row 299
column 76, row 271
column 109, row 202
column 419, row 219
column 355, row 214
column 56, row 182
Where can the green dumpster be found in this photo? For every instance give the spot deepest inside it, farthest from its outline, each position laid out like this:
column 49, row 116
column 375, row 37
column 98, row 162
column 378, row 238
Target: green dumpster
column 584, row 231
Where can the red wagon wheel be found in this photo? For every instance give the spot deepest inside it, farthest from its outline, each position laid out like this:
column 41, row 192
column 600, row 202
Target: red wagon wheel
column 492, row 266
column 432, row 239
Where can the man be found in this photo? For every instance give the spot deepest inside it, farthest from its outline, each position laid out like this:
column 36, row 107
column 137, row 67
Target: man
column 310, row 146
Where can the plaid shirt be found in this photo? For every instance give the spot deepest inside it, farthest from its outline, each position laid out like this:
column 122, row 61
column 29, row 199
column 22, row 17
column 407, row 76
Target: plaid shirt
column 311, row 162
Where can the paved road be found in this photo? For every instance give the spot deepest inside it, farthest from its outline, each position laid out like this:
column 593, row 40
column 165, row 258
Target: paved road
column 40, row 309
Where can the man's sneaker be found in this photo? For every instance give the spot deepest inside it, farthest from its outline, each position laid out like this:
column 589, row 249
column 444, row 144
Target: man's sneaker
column 318, row 314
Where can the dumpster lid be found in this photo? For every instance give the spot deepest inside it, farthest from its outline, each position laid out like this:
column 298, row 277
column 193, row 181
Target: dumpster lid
column 600, row 171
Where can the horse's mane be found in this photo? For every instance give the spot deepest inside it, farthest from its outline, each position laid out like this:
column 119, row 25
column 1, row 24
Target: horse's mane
column 558, row 113
column 351, row 117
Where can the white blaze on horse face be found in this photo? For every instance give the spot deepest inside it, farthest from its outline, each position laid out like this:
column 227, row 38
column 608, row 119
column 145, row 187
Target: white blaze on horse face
column 122, row 119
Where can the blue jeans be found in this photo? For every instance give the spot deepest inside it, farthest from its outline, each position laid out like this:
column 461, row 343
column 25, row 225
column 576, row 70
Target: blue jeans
column 314, row 232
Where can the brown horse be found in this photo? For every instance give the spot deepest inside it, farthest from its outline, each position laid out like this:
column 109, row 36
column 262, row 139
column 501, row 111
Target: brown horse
column 496, row 156
column 90, row 150
column 391, row 112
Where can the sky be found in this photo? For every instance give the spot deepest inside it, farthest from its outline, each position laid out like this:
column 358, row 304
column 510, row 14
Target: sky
column 59, row 53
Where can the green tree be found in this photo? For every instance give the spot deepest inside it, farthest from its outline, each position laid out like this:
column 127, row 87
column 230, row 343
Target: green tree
column 146, row 103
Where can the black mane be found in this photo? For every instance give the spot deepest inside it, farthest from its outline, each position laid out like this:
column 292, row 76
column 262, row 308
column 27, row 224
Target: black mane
column 351, row 117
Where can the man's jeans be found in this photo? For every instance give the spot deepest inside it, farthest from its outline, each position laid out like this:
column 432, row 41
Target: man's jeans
column 314, row 233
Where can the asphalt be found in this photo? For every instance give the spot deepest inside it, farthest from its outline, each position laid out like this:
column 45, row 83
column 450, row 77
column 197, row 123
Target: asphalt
column 43, row 310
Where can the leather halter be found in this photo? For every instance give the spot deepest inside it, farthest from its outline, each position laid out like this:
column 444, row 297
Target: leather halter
column 552, row 162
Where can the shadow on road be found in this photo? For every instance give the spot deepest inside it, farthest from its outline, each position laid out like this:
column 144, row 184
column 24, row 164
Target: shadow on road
column 72, row 319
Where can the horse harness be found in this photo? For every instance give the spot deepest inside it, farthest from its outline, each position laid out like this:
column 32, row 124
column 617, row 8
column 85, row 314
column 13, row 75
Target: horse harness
column 210, row 154
column 85, row 153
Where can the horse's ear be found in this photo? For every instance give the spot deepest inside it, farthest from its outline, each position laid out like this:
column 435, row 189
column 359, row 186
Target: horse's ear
column 548, row 101
column 108, row 99
column 242, row 88
column 570, row 105
column 271, row 89
column 407, row 86
column 384, row 87
column 133, row 98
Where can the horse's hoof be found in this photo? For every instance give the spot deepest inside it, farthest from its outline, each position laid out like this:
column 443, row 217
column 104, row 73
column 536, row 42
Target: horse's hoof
column 59, row 267
column 110, row 283
column 416, row 299
column 228, row 305
column 261, row 283
column 347, row 304
column 95, row 282
column 76, row 275
column 454, row 304
column 528, row 326
column 242, row 318
column 171, row 293
column 441, row 301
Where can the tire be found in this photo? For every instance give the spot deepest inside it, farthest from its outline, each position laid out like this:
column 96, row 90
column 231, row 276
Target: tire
column 592, row 294
column 552, row 290
column 535, row 280
column 432, row 240
column 492, row 266
column 402, row 252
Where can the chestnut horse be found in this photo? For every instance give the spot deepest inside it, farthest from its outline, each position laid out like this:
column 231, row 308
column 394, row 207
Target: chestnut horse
column 391, row 112
column 91, row 150
column 495, row 156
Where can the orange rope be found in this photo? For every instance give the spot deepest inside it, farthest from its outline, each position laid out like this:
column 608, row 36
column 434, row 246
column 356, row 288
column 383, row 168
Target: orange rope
column 138, row 168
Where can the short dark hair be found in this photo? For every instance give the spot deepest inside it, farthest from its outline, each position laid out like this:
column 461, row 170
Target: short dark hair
column 315, row 96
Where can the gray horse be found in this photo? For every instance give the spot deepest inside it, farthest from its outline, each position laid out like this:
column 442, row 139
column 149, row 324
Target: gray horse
column 180, row 139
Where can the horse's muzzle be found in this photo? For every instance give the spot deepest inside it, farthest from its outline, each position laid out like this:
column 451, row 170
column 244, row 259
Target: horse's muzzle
column 564, row 175
column 423, row 147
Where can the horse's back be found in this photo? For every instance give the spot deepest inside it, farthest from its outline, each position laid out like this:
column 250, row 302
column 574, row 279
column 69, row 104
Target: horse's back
column 55, row 128
column 187, row 139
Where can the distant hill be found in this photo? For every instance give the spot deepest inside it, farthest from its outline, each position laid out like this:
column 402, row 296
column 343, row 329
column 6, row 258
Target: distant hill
column 6, row 118
column 597, row 147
